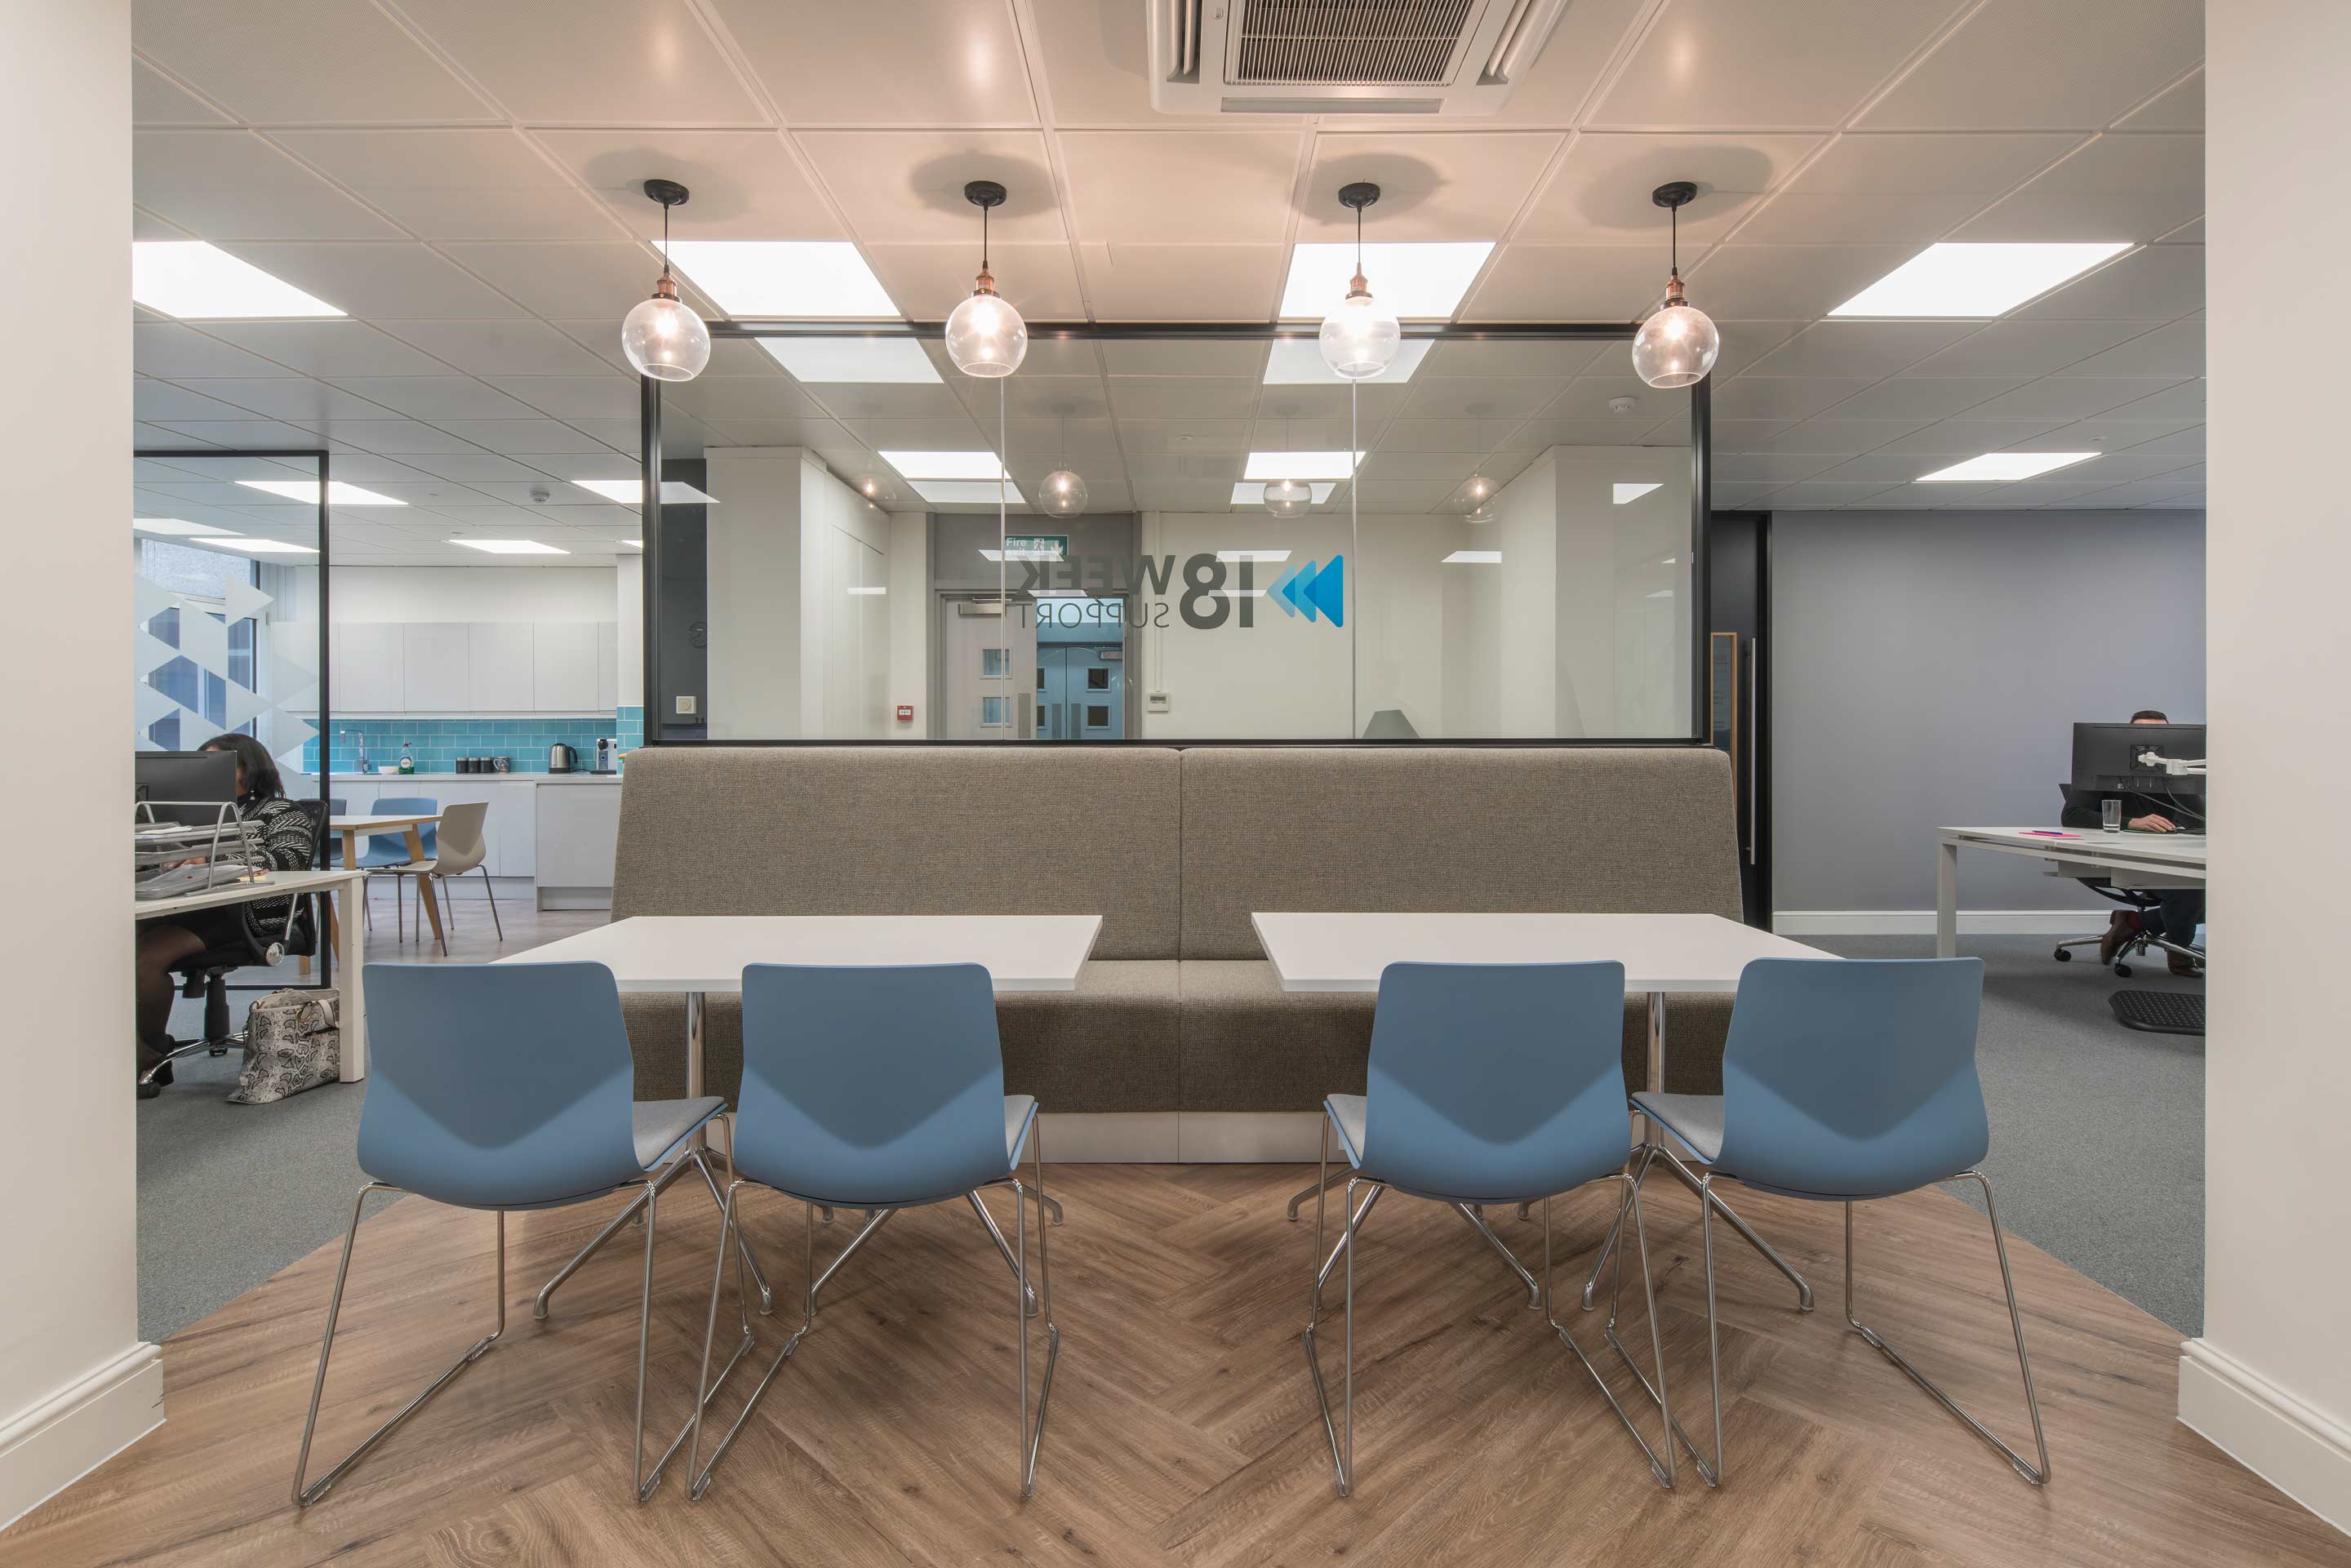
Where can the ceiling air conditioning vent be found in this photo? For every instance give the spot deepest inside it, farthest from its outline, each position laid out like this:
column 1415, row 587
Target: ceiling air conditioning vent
column 1343, row 56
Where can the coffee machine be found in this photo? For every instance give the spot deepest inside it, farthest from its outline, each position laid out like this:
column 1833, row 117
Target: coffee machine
column 608, row 755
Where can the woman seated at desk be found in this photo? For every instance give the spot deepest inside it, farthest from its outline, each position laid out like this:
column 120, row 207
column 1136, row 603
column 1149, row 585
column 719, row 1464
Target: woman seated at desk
column 288, row 837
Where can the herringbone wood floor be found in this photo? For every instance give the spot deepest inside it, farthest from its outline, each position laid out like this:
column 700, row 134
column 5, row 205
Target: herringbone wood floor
column 1183, row 1426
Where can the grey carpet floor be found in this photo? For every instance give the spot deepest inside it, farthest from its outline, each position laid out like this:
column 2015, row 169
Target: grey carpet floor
column 2097, row 1148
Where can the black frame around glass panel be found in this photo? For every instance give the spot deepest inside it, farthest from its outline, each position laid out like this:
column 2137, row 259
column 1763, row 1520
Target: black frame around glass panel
column 1702, row 444
column 325, row 960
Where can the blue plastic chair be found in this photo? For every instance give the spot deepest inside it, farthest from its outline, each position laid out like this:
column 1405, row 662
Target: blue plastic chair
column 1843, row 1081
column 1488, row 1083
column 506, row 1087
column 882, row 1088
column 388, row 852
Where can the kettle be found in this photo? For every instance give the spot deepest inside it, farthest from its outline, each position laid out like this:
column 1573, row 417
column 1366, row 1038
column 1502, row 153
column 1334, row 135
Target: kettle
column 562, row 758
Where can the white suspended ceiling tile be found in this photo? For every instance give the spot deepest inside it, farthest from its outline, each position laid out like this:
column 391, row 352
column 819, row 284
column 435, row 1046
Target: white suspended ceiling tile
column 261, row 432
column 328, row 347
column 1793, row 63
column 525, row 435
column 2030, row 64
column 1787, row 282
column 2174, row 350
column 302, row 62
column 743, row 185
column 908, row 62
column 1557, row 88
column 1600, row 192
column 2161, row 283
column 1916, row 217
column 1548, row 359
column 684, row 436
column 2184, row 402
column 2042, row 214
column 471, row 467
column 928, row 281
column 1171, row 186
column 2069, row 397
column 1785, row 468
column 454, row 183
column 1859, row 347
column 1748, row 434
column 586, row 280
column 902, row 400
column 1783, row 397
column 374, row 473
column 394, row 437
column 1818, row 493
column 378, row 281
column 1181, row 357
column 1498, row 399
column 734, row 397
column 1038, row 397
column 1881, row 468
column 145, row 224
column 2186, row 233
column 1093, row 57
column 574, row 397
column 628, row 62
column 437, row 399
column 1239, row 283
column 2113, row 468
column 1468, row 185
column 811, row 433
column 2141, row 493
column 2189, row 440
column 510, row 347
column 1920, row 397
column 2177, row 107
column 1539, row 283
column 225, row 185
column 151, row 399
column 156, row 100
column 1848, row 436
column 1969, row 437
column 1924, row 498
column 908, row 185
column 1187, row 397
column 2025, row 348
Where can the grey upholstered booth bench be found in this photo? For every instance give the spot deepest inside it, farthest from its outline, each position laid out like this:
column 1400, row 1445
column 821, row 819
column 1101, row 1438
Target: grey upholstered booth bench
column 1178, row 1042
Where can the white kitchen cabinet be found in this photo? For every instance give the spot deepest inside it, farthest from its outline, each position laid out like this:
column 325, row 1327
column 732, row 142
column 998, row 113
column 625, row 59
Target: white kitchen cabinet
column 578, row 831
column 436, row 659
column 500, row 678
column 608, row 664
column 369, row 672
column 516, row 850
column 563, row 667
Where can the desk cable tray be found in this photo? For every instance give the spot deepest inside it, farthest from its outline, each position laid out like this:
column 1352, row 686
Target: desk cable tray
column 2159, row 1012
column 171, row 858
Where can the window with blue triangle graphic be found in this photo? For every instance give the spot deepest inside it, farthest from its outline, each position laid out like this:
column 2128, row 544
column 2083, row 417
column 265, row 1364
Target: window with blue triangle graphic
column 1315, row 592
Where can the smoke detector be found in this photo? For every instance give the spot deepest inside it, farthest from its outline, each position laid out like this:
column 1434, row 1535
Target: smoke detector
column 1401, row 56
column 542, row 494
column 1621, row 404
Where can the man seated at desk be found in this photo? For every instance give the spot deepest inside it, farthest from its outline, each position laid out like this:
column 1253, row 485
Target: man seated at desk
column 2178, row 911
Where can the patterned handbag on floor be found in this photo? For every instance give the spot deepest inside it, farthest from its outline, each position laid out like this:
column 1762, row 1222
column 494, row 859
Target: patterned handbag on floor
column 292, row 1042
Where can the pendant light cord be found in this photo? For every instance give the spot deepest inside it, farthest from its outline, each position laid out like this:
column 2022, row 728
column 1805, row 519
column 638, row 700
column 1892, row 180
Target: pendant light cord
column 666, row 239
column 1674, row 228
column 983, row 239
column 1003, row 548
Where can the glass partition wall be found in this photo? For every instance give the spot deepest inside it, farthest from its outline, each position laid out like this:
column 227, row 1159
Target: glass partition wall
column 1496, row 540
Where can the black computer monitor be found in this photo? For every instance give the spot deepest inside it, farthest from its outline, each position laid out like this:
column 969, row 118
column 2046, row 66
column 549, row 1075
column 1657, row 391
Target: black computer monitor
column 2107, row 758
column 183, row 777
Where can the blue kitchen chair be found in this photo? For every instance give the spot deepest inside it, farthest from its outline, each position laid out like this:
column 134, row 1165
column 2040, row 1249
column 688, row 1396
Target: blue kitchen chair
column 388, row 852
column 507, row 1087
column 881, row 1088
column 1488, row 1083
column 1843, row 1081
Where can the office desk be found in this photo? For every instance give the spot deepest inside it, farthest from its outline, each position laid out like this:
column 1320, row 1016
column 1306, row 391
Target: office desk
column 345, row 883
column 2149, row 861
column 412, row 825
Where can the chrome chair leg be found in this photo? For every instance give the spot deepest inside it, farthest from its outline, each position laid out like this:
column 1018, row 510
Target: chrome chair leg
column 1340, row 1436
column 705, row 1391
column 2016, row 1323
column 1662, row 1469
column 633, row 1210
column 490, row 885
column 1323, row 1184
column 1747, row 1232
column 1032, row 1438
column 1003, row 1247
column 1478, row 1223
column 304, row 1496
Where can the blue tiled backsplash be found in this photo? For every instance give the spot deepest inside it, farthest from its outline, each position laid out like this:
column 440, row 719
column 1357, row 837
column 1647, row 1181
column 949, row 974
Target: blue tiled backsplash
column 437, row 743
column 631, row 729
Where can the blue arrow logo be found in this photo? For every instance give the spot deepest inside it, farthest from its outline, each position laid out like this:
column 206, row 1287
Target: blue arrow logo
column 1317, row 592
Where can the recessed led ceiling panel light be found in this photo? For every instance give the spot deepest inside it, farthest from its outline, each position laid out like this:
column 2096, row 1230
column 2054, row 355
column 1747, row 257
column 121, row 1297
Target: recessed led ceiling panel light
column 1994, row 466
column 1298, row 361
column 867, row 592
column 870, row 361
column 968, row 493
column 783, row 277
column 629, row 492
column 195, row 281
column 1473, row 557
column 945, row 464
column 639, row 543
column 259, row 546
column 1419, row 281
column 510, row 547
column 1633, row 492
column 175, row 527
column 1251, row 493
column 1299, row 465
column 306, row 490
column 1252, row 554
column 1976, row 280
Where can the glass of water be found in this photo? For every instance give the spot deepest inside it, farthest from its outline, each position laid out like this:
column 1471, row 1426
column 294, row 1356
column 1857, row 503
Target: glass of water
column 2111, row 811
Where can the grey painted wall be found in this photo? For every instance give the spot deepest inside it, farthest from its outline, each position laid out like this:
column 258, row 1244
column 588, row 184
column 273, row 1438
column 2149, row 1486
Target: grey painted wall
column 1929, row 669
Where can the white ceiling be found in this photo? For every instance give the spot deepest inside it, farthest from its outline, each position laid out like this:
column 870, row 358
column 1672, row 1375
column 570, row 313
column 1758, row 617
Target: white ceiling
column 461, row 178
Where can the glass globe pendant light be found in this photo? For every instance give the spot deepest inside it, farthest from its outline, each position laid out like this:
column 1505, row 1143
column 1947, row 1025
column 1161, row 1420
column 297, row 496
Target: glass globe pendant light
column 1678, row 346
column 986, row 335
column 661, row 338
column 1062, row 494
column 1361, row 335
column 1287, row 498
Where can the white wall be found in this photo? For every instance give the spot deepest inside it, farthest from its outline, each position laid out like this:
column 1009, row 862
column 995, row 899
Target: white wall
column 414, row 594
column 629, row 613
column 912, row 620
column 2270, row 1381
column 755, row 592
column 844, row 635
column 75, row 1382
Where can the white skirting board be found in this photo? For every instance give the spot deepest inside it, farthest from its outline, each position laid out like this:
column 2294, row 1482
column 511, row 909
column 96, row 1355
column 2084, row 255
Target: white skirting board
column 1921, row 922
column 1185, row 1137
column 46, row 1449
column 2302, row 1452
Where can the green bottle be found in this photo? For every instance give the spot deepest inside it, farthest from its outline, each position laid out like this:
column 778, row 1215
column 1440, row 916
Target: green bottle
column 407, row 760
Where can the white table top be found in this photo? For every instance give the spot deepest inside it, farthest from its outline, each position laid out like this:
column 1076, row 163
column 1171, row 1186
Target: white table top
column 708, row 951
column 1659, row 952
column 2089, row 843
column 277, row 884
column 368, row 822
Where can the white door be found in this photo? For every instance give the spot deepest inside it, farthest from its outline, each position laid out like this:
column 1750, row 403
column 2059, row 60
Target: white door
column 983, row 695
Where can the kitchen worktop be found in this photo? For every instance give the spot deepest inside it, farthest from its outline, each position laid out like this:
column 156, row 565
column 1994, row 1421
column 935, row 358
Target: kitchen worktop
column 580, row 777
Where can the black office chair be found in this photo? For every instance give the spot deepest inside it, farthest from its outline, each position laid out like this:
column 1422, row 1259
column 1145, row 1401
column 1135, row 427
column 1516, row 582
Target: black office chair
column 205, row 973
column 2138, row 903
